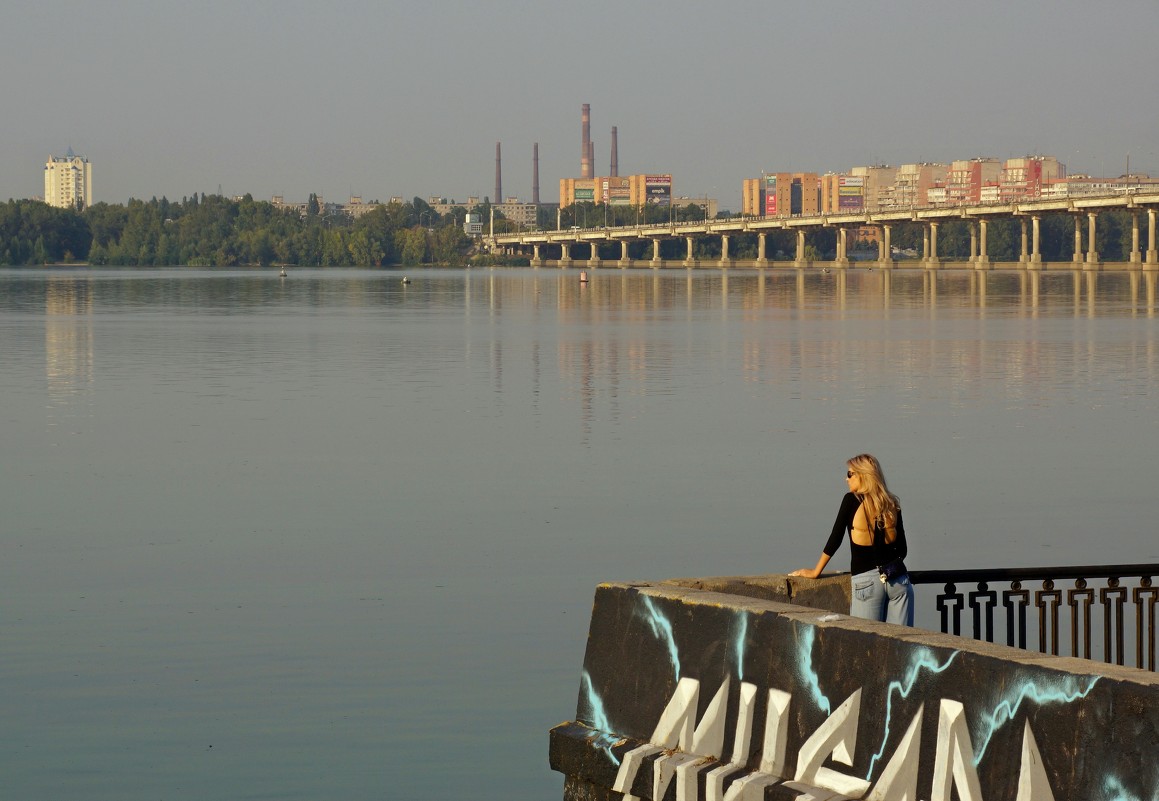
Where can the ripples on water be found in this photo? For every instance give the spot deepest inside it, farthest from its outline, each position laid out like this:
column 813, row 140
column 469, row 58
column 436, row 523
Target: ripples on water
column 336, row 537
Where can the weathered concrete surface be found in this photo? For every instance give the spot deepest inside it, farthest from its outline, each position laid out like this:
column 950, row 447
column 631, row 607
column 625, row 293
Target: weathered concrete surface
column 687, row 693
column 831, row 591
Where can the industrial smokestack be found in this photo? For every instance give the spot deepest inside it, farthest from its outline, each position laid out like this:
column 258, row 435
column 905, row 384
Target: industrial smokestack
column 498, row 175
column 535, row 173
column 615, row 154
column 585, row 141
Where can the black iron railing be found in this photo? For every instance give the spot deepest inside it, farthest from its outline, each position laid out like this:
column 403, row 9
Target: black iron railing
column 1071, row 595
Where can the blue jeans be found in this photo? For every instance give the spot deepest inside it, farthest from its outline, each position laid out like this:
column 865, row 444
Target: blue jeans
column 891, row 602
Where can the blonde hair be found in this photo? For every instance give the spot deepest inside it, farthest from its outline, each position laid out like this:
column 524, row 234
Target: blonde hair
column 881, row 505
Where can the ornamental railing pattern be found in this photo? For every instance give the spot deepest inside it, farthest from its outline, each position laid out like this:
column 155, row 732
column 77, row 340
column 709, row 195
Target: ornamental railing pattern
column 1092, row 601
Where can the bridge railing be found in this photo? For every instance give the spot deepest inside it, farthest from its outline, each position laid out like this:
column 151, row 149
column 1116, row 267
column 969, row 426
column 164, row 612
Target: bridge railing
column 1112, row 603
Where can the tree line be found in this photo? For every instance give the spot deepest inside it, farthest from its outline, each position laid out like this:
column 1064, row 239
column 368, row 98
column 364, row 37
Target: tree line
column 215, row 231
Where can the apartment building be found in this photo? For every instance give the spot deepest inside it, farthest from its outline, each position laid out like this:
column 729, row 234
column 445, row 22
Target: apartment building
column 68, row 182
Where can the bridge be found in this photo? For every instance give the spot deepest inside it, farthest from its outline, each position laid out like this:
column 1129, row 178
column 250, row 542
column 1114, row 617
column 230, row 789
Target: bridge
column 1085, row 210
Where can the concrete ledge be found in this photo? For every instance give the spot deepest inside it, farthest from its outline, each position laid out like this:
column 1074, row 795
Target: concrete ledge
column 690, row 690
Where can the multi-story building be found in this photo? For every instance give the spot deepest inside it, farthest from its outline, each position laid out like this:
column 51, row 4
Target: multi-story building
column 630, row 190
column 913, row 182
column 68, row 182
column 1024, row 177
column 781, row 194
column 842, row 194
column 965, row 179
column 878, row 184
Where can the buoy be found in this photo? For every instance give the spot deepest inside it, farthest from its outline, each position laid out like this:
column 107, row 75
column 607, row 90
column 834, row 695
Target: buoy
column 583, row 276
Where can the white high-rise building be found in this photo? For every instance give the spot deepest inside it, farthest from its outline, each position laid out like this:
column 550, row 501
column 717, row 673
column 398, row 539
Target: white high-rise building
column 68, row 182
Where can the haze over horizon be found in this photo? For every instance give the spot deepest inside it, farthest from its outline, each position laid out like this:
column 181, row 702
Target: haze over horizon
column 408, row 99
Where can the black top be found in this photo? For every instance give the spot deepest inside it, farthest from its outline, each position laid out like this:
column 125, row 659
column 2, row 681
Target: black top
column 864, row 557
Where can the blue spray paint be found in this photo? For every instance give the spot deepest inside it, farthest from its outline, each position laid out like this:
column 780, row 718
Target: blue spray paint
column 604, row 738
column 741, row 635
column 1113, row 790
column 662, row 630
column 806, row 671
column 922, row 659
column 1049, row 692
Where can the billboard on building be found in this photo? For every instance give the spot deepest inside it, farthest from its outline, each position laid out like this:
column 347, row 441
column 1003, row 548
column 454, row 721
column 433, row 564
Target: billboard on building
column 585, row 195
column 770, row 196
column 850, row 192
column 658, row 190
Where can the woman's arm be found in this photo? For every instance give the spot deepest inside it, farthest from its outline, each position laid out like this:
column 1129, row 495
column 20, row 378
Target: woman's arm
column 816, row 571
column 845, row 514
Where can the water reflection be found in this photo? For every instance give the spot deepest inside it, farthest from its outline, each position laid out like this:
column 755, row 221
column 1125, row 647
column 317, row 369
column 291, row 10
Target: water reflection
column 68, row 345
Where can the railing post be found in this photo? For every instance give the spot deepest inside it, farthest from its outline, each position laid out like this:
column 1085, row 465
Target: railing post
column 1113, row 597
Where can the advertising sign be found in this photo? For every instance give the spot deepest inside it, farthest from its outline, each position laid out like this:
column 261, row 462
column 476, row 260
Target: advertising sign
column 770, row 196
column 658, row 179
column 849, row 202
column 585, row 195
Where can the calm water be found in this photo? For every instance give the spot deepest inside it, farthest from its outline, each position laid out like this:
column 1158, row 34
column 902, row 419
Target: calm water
column 334, row 537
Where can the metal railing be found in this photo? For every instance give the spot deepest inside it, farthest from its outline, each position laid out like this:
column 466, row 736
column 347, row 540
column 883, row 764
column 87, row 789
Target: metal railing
column 1110, row 589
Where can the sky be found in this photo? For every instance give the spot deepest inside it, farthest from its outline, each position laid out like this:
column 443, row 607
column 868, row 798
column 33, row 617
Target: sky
column 382, row 98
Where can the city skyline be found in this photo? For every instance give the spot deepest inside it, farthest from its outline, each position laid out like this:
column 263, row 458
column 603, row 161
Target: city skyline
column 356, row 99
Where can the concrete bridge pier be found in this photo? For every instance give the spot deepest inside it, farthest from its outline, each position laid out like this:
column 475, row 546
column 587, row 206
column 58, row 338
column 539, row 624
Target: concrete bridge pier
column 762, row 245
column 1092, row 262
column 932, row 262
column 725, row 261
column 1077, row 258
column 537, row 257
column 982, row 262
column 1136, row 256
column 624, row 260
column 1024, row 254
column 842, row 259
column 655, row 252
column 885, row 248
column 1035, row 242
column 799, row 261
column 1152, row 259
column 688, row 260
column 565, row 256
column 594, row 258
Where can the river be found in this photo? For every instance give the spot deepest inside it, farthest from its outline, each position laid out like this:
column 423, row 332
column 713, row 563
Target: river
column 335, row 536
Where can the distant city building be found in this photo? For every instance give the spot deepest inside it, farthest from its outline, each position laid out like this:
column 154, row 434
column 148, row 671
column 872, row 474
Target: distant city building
column 1024, row 177
column 878, row 188
column 912, row 184
column 617, row 190
column 842, row 194
column 782, row 194
column 68, row 182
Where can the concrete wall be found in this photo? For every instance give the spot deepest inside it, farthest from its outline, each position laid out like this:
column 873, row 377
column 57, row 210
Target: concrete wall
column 691, row 693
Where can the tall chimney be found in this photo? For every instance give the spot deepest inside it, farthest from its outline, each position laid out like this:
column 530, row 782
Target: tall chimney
column 498, row 175
column 535, row 173
column 585, row 142
column 615, row 154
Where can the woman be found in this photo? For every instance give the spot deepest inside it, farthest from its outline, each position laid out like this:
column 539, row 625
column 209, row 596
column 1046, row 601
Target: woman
column 872, row 516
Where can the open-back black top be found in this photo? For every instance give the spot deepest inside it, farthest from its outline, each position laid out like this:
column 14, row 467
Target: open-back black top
column 864, row 557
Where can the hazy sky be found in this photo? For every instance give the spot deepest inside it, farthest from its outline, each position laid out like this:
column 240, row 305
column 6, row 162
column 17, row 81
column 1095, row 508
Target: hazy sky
column 377, row 98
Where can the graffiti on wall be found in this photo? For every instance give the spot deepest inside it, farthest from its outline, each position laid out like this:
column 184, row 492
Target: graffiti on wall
column 741, row 715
